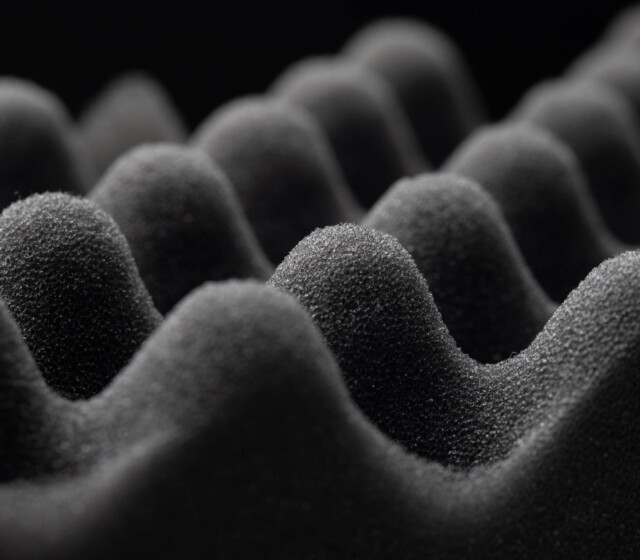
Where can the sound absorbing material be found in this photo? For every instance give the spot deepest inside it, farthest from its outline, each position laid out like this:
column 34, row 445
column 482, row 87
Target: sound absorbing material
column 30, row 430
column 598, row 125
column 69, row 280
column 132, row 110
column 37, row 150
column 363, row 121
column 489, row 301
column 282, row 168
column 625, row 28
column 428, row 74
column 545, row 199
column 182, row 220
column 614, row 67
column 405, row 372
column 183, row 454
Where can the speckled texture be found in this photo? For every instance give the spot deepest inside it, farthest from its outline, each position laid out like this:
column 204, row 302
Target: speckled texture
column 457, row 236
column 429, row 76
column 182, row 220
column 37, row 147
column 131, row 110
column 68, row 278
column 260, row 416
column 281, row 165
column 363, row 121
column 598, row 125
column 254, row 423
column 545, row 198
column 405, row 372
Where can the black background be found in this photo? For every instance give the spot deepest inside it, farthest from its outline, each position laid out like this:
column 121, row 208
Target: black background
column 208, row 52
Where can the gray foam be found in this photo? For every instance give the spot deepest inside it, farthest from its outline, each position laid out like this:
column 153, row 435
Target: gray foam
column 428, row 74
column 545, row 198
column 69, row 280
column 282, row 168
column 598, row 125
column 455, row 232
column 37, row 144
column 182, row 220
column 363, row 121
column 133, row 109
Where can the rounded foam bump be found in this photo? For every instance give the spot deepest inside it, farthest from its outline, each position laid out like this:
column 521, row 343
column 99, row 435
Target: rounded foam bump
column 614, row 67
column 69, row 280
column 340, row 273
column 133, row 109
column 282, row 168
column 545, row 199
column 37, row 150
column 234, row 342
column 367, row 128
column 624, row 27
column 598, row 124
column 429, row 76
column 455, row 232
column 375, row 311
column 182, row 220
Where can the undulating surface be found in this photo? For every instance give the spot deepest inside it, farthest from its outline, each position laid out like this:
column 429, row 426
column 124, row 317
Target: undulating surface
column 182, row 220
column 367, row 128
column 131, row 110
column 545, row 198
column 345, row 318
column 282, row 167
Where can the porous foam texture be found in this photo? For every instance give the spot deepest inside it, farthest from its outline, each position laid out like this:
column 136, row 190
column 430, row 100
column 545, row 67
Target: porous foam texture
column 274, row 428
column 182, row 220
column 545, row 199
column 254, row 421
column 429, row 76
column 281, row 166
column 37, row 149
column 69, row 280
column 363, row 121
column 489, row 301
column 133, row 109
column 599, row 126
column 375, row 311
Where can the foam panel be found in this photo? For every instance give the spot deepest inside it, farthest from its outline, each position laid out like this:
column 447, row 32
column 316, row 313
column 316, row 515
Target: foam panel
column 220, row 350
column 38, row 149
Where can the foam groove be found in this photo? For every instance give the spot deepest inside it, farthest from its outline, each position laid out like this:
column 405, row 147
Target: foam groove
column 486, row 294
column 597, row 124
column 545, row 198
column 283, row 170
